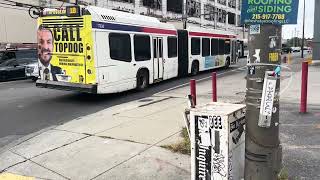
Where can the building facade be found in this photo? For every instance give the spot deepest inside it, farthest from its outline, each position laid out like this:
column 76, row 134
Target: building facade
column 216, row 14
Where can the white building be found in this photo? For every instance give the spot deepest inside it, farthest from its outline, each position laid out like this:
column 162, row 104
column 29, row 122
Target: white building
column 219, row 14
column 18, row 27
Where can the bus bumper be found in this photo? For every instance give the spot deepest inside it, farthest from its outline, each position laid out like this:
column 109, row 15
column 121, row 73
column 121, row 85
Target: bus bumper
column 87, row 88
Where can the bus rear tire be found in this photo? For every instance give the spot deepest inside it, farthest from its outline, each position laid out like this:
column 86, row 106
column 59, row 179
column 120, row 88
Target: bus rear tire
column 142, row 80
column 194, row 68
column 227, row 63
column 34, row 79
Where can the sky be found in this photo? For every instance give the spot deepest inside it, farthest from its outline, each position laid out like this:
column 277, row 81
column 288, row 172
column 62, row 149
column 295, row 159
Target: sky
column 289, row 30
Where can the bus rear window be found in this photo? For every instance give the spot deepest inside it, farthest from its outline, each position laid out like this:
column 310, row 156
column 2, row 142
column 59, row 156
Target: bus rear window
column 120, row 47
column 227, row 47
column 205, row 47
column 172, row 47
column 195, row 46
column 214, row 47
column 221, row 47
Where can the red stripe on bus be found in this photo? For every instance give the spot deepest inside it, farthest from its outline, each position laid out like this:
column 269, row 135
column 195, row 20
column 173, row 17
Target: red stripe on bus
column 211, row 35
column 159, row 31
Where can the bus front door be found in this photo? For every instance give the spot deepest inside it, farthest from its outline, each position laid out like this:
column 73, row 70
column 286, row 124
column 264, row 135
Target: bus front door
column 158, row 67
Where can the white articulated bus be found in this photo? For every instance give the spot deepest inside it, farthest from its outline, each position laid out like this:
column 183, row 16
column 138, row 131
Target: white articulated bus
column 97, row 50
column 209, row 49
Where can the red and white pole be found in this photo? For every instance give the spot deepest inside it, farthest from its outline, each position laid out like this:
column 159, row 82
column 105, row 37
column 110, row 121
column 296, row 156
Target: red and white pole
column 304, row 87
column 193, row 91
column 214, row 87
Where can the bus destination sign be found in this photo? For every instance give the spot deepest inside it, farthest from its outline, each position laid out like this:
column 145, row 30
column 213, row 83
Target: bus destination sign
column 269, row 11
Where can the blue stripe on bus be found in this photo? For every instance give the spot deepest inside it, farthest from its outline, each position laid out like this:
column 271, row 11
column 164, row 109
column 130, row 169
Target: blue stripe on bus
column 120, row 27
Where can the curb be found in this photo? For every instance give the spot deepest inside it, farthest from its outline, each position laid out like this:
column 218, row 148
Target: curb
column 315, row 63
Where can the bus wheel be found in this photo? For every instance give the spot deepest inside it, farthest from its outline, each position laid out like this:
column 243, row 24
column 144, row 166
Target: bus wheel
column 195, row 68
column 34, row 79
column 227, row 63
column 142, row 80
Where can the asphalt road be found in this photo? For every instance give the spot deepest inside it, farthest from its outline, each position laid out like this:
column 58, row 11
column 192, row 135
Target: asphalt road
column 25, row 108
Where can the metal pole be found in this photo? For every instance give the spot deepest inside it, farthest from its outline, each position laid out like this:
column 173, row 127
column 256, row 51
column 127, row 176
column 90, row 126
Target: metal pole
column 304, row 87
column 193, row 91
column 214, row 87
column 295, row 39
column 185, row 14
column 304, row 19
column 263, row 150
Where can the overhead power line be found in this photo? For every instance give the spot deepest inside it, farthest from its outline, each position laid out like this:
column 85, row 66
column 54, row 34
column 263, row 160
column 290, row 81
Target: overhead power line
column 16, row 8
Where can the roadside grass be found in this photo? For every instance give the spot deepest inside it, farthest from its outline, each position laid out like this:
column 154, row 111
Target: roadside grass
column 183, row 147
column 283, row 174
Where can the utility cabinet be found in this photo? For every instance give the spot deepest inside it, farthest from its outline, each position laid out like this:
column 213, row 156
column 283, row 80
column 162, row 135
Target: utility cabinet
column 217, row 133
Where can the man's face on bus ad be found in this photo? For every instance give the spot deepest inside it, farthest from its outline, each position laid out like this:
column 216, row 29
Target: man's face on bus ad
column 45, row 46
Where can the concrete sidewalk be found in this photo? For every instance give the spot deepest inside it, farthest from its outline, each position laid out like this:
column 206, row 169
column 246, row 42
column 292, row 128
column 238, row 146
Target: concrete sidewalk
column 124, row 141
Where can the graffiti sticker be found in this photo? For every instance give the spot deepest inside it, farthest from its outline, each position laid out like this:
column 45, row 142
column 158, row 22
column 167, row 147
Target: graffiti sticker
column 274, row 57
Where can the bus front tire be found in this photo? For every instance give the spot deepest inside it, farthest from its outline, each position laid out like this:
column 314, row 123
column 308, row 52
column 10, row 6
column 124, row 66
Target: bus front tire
column 194, row 68
column 142, row 80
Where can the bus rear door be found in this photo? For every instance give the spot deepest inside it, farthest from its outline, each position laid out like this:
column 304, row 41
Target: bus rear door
column 158, row 61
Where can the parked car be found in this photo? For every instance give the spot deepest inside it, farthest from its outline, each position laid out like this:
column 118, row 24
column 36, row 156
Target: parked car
column 296, row 49
column 13, row 64
column 11, row 69
column 6, row 55
column 286, row 50
column 32, row 71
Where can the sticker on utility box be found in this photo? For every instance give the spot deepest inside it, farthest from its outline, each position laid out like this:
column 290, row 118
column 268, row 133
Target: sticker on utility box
column 268, row 93
column 255, row 29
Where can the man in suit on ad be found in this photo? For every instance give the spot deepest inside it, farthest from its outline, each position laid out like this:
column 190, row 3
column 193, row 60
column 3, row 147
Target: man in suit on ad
column 45, row 49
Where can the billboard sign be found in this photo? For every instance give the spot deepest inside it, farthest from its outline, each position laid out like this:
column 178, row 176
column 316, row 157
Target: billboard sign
column 65, row 47
column 269, row 11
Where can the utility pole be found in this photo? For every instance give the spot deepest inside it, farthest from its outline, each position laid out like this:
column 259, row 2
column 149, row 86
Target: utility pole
column 304, row 19
column 263, row 150
column 185, row 13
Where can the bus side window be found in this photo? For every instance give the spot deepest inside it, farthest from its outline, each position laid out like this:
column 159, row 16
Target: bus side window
column 195, row 46
column 221, row 47
column 172, row 47
column 214, row 47
column 205, row 47
column 227, row 47
column 120, row 47
column 160, row 48
column 155, row 48
column 142, row 48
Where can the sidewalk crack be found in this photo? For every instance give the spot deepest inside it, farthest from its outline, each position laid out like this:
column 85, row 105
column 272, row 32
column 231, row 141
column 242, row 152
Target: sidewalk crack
column 122, row 162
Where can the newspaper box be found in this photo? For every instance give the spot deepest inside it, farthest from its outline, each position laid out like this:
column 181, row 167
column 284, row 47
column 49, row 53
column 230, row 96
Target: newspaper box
column 217, row 141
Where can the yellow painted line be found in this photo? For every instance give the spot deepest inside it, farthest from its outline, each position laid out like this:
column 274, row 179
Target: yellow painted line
column 9, row 176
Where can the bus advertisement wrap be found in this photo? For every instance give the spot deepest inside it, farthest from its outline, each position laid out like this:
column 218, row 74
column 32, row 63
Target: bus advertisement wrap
column 269, row 11
column 65, row 49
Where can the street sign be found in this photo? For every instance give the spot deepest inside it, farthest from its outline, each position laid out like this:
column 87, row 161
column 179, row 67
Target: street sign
column 269, row 11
